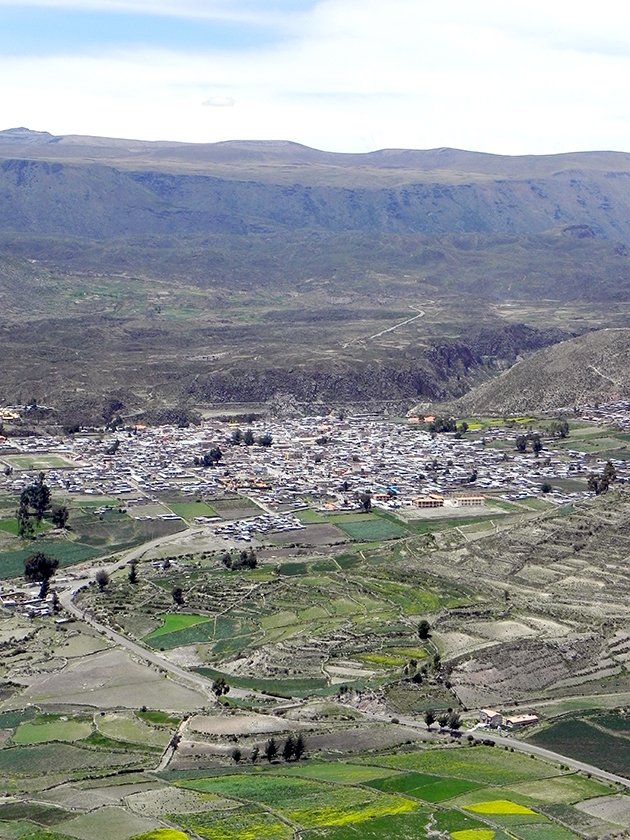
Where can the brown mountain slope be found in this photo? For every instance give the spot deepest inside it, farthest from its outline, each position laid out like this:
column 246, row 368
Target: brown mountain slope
column 591, row 368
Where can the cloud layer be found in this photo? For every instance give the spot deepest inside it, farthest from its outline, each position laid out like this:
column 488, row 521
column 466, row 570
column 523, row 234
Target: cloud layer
column 346, row 75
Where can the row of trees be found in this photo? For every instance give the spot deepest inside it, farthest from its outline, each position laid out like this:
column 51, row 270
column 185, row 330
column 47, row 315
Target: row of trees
column 446, row 720
column 448, row 424
column 249, row 439
column 293, row 749
column 533, row 439
column 245, row 560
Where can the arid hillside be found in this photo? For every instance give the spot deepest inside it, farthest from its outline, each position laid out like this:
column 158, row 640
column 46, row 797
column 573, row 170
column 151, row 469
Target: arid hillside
column 588, row 369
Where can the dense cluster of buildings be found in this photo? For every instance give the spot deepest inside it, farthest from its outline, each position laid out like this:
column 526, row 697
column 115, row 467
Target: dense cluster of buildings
column 328, row 462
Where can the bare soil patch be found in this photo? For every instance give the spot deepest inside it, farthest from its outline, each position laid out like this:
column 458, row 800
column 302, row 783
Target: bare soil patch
column 110, row 679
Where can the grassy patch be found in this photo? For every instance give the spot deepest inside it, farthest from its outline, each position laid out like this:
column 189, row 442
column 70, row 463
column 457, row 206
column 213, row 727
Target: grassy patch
column 483, row 765
column 298, row 687
column 67, row 553
column 247, row 823
column 310, row 517
column 562, row 789
column 126, row 727
column 158, row 718
column 39, row 732
column 339, row 772
column 188, row 510
column 373, row 530
column 178, row 629
column 52, row 758
column 423, row 786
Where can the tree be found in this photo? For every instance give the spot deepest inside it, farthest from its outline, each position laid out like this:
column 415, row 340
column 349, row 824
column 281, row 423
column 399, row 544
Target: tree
column 559, row 427
column 521, row 443
column 236, row 437
column 254, row 755
column 366, row 501
column 248, row 438
column 212, row 457
column 300, row 747
column 271, row 750
column 424, row 629
column 288, row 750
column 178, row 596
column 102, row 579
column 133, row 571
column 265, row 439
column 236, row 755
column 34, row 501
column 429, row 718
column 536, row 445
column 24, row 525
column 546, row 487
column 443, row 720
column 59, row 516
column 39, row 568
column 610, row 473
column 220, row 687
column 112, row 449
column 454, row 721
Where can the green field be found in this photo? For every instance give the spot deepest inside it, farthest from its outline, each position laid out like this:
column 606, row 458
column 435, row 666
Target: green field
column 483, row 765
column 127, row 727
column 10, row 526
column 299, row 687
column 66, row 552
column 578, row 738
column 188, row 510
column 423, row 786
column 307, row 803
column 372, row 530
column 39, row 461
column 244, row 823
column 173, row 622
column 39, row 732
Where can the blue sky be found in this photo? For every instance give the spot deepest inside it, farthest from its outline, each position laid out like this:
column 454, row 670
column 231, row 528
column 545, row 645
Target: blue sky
column 344, row 75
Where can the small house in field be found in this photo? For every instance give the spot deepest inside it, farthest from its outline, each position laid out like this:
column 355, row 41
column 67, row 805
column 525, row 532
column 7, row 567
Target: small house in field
column 518, row 721
column 490, row 717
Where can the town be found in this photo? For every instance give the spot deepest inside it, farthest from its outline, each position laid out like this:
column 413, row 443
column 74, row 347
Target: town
column 326, row 463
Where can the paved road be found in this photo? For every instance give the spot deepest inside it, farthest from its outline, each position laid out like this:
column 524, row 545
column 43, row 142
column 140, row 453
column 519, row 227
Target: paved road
column 66, row 596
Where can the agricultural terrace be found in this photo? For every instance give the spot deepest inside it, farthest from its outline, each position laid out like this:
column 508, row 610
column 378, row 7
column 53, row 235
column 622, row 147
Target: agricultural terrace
column 359, row 611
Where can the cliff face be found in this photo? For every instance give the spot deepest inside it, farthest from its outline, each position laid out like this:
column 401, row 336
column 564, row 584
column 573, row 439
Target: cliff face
column 101, row 201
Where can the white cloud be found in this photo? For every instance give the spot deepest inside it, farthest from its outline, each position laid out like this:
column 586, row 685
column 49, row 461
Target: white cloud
column 357, row 75
column 218, row 102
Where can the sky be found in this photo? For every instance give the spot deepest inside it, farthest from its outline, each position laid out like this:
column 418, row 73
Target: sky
column 499, row 76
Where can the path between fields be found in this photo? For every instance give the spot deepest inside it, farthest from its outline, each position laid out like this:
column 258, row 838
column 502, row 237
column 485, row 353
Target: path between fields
column 66, row 596
column 521, row 746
